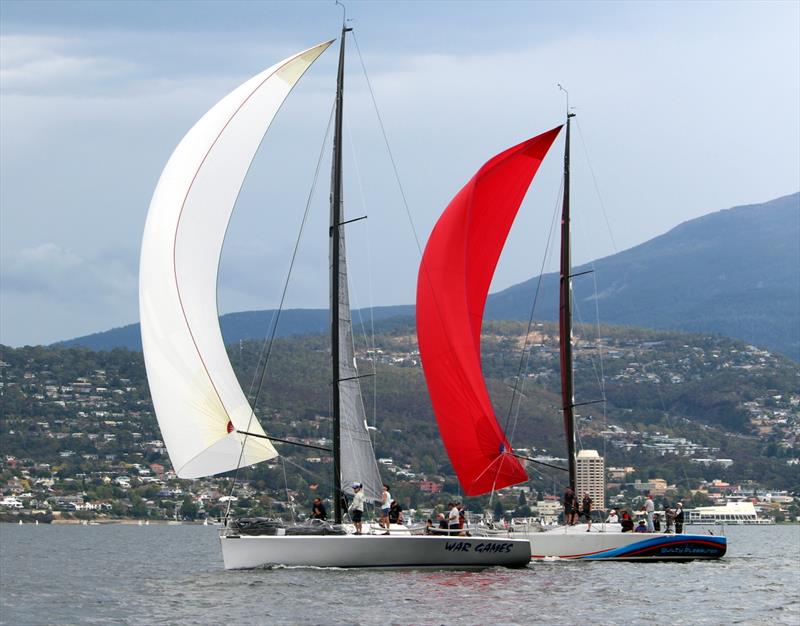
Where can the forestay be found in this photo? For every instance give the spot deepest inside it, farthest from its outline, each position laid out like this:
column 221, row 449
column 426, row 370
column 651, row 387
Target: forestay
column 198, row 401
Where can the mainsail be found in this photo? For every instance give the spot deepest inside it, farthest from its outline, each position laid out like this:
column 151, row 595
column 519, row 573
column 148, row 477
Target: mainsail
column 357, row 462
column 353, row 456
column 198, row 401
column 454, row 279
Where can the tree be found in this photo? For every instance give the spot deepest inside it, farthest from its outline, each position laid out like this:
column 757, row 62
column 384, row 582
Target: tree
column 188, row 508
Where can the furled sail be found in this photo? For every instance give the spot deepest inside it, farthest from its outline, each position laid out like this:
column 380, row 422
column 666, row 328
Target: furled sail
column 454, row 279
column 198, row 401
column 357, row 462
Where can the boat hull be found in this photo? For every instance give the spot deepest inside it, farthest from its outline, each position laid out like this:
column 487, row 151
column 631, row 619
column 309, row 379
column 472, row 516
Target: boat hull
column 373, row 551
column 598, row 545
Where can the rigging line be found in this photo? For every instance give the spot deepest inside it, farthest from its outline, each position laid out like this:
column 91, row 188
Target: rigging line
column 289, row 500
column 532, row 460
column 600, row 358
column 526, row 368
column 313, row 475
column 596, row 187
column 670, row 422
column 388, row 148
column 523, row 361
column 596, row 364
column 583, row 325
column 394, row 164
column 370, row 344
column 270, row 341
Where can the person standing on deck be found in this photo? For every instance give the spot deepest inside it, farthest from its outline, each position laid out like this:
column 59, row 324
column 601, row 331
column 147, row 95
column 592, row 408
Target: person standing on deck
column 679, row 519
column 586, row 510
column 386, row 504
column 452, row 519
column 570, row 507
column 669, row 520
column 356, row 508
column 649, row 509
column 395, row 513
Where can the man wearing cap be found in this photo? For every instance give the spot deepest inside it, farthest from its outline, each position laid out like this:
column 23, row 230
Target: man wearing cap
column 356, row 508
column 679, row 518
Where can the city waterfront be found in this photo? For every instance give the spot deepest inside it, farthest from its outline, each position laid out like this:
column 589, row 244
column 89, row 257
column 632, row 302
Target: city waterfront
column 172, row 574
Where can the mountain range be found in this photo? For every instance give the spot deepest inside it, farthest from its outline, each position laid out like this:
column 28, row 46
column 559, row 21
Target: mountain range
column 735, row 272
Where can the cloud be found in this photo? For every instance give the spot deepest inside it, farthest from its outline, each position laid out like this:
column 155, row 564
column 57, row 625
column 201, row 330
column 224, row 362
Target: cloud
column 63, row 275
column 672, row 109
column 48, row 65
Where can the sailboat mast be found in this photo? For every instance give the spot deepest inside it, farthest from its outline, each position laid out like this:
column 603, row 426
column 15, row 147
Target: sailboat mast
column 565, row 321
column 335, row 225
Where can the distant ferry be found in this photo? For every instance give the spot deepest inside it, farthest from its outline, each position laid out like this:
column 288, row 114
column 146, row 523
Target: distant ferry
column 731, row 513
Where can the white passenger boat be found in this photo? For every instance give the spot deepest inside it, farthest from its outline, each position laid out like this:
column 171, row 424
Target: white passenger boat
column 736, row 513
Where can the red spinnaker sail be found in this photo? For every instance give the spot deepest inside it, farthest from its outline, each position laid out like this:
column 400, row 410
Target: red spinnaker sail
column 454, row 279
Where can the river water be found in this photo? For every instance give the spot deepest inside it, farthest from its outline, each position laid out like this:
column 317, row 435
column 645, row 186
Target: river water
column 121, row 574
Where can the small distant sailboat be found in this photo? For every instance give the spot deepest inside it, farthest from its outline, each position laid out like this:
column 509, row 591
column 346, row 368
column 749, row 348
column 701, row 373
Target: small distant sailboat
column 454, row 279
column 206, row 421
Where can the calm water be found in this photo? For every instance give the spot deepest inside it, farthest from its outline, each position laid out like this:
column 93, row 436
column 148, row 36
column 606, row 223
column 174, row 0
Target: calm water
column 118, row 574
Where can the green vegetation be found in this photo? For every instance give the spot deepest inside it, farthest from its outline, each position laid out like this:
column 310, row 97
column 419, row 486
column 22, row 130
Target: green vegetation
column 81, row 422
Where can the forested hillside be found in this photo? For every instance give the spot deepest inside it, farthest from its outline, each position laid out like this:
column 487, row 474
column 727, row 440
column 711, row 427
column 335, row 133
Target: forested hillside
column 671, row 398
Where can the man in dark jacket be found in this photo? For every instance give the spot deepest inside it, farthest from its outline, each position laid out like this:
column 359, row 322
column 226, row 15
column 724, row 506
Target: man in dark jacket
column 318, row 510
column 586, row 510
column 679, row 518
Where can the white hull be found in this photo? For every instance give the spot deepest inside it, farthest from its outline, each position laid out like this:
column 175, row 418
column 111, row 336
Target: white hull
column 607, row 542
column 378, row 551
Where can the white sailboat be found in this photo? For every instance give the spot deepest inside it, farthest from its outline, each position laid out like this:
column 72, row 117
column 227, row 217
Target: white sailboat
column 454, row 279
column 207, row 424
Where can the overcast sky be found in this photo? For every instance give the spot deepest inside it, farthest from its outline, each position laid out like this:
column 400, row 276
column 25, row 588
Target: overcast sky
column 683, row 109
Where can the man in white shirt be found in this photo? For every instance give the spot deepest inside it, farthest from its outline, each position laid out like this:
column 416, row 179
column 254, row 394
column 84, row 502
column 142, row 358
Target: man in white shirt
column 649, row 509
column 452, row 519
column 386, row 503
column 356, row 508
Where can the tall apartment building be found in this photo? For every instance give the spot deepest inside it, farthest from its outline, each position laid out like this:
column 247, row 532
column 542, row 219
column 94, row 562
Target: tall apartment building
column 591, row 478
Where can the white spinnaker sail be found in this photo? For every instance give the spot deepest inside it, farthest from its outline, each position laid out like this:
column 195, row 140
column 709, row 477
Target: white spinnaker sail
column 194, row 389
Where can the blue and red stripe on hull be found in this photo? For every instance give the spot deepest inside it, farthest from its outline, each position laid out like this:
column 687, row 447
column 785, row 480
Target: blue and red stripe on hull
column 677, row 547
